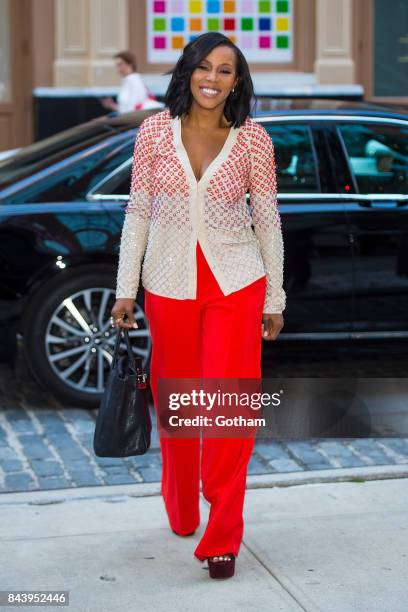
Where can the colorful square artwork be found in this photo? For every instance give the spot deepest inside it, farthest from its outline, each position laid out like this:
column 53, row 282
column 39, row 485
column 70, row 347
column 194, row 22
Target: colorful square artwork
column 262, row 29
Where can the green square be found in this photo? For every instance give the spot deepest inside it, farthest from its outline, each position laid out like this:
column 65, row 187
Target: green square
column 247, row 23
column 213, row 24
column 159, row 24
column 282, row 42
column 264, row 6
column 282, row 6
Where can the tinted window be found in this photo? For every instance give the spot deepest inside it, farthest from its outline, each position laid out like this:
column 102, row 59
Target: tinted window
column 378, row 156
column 295, row 158
column 75, row 180
column 117, row 183
column 389, row 51
column 296, row 166
column 35, row 157
column 123, row 187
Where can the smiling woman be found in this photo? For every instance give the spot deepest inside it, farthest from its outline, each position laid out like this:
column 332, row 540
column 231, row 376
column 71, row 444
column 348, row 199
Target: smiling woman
column 212, row 284
column 203, row 143
column 224, row 64
column 211, row 62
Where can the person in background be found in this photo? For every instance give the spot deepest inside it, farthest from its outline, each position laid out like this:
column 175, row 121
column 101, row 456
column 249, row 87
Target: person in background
column 133, row 93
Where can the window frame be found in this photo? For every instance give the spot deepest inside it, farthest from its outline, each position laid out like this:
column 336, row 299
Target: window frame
column 310, row 132
column 94, row 194
column 371, row 121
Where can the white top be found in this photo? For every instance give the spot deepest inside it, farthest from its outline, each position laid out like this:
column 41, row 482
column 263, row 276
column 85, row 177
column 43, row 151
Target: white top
column 133, row 91
column 169, row 210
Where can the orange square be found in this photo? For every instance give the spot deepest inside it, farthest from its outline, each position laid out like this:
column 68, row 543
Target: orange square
column 195, row 25
column 232, row 38
column 229, row 6
column 177, row 42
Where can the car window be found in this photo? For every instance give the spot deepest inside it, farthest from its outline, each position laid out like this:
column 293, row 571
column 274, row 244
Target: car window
column 75, row 180
column 295, row 161
column 378, row 156
column 123, row 186
column 295, row 158
column 42, row 154
column 116, row 183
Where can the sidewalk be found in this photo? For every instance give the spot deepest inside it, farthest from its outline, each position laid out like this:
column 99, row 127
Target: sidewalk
column 327, row 547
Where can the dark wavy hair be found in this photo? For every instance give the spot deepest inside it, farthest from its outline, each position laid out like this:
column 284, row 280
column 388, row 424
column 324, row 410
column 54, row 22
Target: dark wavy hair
column 178, row 97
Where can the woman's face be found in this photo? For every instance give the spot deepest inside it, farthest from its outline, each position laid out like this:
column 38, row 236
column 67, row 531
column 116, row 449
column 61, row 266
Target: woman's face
column 211, row 82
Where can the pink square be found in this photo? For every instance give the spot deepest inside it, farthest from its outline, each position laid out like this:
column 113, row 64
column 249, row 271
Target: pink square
column 159, row 6
column 177, row 6
column 247, row 42
column 264, row 42
column 159, row 42
column 247, row 6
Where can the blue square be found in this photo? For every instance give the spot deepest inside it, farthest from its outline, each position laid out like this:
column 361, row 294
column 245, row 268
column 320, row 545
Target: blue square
column 177, row 24
column 213, row 6
column 265, row 23
column 193, row 37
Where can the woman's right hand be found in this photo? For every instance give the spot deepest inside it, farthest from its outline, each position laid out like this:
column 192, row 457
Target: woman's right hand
column 108, row 103
column 121, row 308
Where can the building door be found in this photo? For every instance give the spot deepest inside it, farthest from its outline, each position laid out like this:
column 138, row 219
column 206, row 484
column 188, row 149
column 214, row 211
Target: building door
column 15, row 74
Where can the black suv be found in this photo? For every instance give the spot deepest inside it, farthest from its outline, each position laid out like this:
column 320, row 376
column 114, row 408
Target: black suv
column 342, row 192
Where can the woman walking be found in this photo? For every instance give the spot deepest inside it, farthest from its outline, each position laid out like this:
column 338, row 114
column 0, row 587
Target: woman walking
column 213, row 285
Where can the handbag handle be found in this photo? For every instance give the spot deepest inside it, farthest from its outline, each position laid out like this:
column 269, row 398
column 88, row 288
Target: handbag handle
column 141, row 376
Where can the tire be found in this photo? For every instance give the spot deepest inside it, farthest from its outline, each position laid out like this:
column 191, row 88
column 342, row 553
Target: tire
column 72, row 313
column 8, row 343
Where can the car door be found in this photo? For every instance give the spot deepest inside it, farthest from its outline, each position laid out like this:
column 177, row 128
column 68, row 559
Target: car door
column 47, row 217
column 377, row 153
column 318, row 256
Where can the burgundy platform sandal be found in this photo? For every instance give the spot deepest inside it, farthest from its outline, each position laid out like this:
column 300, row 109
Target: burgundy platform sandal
column 222, row 569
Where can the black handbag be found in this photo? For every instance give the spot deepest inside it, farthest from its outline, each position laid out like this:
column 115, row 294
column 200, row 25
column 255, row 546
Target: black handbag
column 123, row 423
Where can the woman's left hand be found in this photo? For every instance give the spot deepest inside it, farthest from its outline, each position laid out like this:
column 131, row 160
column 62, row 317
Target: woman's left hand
column 271, row 326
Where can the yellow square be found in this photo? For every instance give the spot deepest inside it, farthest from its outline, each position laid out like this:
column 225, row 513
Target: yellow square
column 195, row 6
column 282, row 24
column 232, row 38
column 177, row 42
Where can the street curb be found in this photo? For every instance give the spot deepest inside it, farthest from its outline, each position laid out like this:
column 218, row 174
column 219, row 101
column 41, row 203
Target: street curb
column 354, row 474
column 111, row 492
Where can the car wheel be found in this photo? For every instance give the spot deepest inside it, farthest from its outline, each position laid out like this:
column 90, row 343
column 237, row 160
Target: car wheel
column 69, row 339
column 8, row 343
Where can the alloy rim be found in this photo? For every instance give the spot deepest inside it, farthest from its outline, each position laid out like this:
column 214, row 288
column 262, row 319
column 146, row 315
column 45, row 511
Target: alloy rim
column 80, row 339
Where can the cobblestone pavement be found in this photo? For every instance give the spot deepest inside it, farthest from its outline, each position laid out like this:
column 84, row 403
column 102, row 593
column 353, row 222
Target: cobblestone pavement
column 44, row 445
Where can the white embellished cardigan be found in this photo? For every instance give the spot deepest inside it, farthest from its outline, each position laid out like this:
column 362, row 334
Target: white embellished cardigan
column 169, row 210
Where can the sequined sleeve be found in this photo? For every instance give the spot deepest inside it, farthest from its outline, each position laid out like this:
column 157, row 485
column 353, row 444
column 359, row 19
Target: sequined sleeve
column 266, row 218
column 137, row 214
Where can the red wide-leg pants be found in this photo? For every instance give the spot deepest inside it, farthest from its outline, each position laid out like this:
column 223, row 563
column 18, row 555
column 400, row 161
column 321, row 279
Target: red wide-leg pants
column 213, row 335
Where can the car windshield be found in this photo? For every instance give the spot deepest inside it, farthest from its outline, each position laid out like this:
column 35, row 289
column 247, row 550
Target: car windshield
column 39, row 155
column 73, row 178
